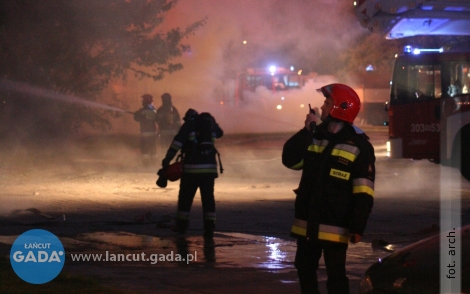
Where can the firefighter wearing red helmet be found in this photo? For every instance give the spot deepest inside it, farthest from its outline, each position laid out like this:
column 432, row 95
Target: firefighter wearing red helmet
column 147, row 117
column 336, row 189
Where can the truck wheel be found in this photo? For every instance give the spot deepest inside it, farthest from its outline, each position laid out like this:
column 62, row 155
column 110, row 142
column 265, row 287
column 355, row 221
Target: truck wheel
column 465, row 155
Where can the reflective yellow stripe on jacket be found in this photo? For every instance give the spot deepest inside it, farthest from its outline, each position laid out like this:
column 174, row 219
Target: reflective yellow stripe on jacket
column 346, row 151
column 299, row 227
column 363, row 185
column 318, row 146
column 333, row 233
column 325, row 232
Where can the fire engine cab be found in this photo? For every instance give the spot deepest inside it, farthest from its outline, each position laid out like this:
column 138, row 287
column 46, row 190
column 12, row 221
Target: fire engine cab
column 406, row 18
column 429, row 109
column 273, row 78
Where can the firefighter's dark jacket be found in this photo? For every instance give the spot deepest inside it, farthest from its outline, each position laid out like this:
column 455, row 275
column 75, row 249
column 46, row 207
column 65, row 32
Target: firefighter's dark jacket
column 335, row 193
column 147, row 117
column 194, row 161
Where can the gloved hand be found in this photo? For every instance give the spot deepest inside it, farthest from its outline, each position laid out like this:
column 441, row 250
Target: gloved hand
column 165, row 163
column 162, row 181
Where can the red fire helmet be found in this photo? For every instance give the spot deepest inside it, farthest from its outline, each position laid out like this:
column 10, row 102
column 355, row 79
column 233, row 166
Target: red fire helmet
column 147, row 98
column 174, row 171
column 346, row 101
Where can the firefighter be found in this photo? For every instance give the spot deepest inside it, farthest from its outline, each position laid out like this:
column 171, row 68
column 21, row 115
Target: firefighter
column 147, row 117
column 168, row 120
column 199, row 167
column 335, row 193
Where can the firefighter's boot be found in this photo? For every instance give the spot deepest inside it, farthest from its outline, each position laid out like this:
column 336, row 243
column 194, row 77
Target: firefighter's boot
column 209, row 227
column 181, row 225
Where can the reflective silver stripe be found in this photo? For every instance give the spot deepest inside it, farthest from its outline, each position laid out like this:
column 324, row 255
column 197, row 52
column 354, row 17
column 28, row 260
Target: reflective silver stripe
column 350, row 148
column 300, row 223
column 363, row 185
column 177, row 143
column 363, row 182
column 318, row 145
column 333, row 234
column 299, row 227
column 333, row 230
column 346, row 151
column 322, row 143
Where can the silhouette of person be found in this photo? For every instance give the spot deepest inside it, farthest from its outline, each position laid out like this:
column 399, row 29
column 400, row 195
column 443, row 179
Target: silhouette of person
column 168, row 120
column 147, row 116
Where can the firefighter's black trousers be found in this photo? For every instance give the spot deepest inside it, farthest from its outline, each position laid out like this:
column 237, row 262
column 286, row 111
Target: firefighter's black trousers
column 306, row 261
column 188, row 187
column 148, row 145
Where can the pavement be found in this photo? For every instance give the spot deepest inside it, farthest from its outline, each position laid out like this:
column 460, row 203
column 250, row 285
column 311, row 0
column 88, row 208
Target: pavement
column 99, row 206
column 166, row 262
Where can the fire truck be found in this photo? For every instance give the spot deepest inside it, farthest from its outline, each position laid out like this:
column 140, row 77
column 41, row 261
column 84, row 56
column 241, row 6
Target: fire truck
column 429, row 107
column 405, row 18
column 273, row 78
column 429, row 110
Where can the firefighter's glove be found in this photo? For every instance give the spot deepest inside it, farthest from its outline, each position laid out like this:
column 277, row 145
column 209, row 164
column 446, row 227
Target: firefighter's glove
column 165, row 163
column 162, row 180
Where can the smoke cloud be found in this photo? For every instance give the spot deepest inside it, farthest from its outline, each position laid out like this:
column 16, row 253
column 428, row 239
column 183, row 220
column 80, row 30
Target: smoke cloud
column 307, row 34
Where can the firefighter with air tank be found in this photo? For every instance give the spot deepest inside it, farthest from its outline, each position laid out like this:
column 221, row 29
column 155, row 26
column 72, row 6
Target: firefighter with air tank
column 195, row 139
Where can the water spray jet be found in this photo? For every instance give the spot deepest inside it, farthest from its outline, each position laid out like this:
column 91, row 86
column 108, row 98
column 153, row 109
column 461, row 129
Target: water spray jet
column 23, row 88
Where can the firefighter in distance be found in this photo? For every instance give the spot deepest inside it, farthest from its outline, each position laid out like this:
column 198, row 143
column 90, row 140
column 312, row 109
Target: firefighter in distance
column 147, row 117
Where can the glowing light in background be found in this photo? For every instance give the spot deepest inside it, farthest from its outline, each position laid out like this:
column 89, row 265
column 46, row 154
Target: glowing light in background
column 409, row 49
column 272, row 69
column 279, row 107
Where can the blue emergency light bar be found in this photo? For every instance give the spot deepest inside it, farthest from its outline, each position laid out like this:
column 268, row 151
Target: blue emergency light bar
column 409, row 49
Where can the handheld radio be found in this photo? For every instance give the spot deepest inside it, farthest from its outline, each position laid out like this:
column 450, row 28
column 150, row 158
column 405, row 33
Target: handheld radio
column 313, row 124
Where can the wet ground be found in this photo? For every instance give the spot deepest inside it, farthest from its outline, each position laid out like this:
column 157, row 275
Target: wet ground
column 228, row 263
column 97, row 198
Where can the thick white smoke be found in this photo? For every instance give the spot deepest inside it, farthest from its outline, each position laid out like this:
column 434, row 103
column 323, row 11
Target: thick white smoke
column 313, row 31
